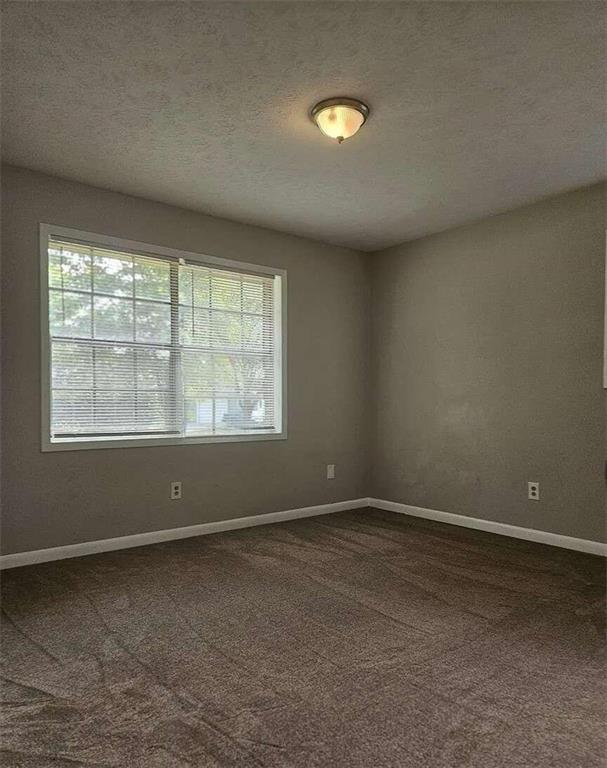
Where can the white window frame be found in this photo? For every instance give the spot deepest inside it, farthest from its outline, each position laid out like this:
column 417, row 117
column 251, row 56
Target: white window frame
column 121, row 244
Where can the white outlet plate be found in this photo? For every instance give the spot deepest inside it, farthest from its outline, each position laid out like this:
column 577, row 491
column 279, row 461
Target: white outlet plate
column 330, row 471
column 175, row 490
column 533, row 491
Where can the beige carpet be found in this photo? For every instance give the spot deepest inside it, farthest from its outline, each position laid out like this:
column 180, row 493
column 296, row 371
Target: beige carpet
column 357, row 640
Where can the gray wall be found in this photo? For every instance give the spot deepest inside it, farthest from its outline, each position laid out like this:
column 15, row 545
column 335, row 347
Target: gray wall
column 478, row 368
column 61, row 498
column 487, row 368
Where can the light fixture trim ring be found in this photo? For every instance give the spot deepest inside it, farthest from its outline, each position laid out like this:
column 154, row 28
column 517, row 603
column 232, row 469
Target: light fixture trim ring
column 341, row 101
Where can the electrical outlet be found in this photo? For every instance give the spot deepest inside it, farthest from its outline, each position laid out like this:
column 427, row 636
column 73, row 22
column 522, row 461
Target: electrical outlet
column 330, row 471
column 176, row 490
column 533, row 491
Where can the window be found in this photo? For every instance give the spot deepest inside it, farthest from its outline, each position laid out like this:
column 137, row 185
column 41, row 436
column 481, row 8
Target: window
column 148, row 346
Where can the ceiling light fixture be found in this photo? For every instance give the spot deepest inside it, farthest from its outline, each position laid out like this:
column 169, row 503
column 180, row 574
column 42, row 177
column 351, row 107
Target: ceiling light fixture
column 340, row 118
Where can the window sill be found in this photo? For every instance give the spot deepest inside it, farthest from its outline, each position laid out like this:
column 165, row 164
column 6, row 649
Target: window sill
column 83, row 444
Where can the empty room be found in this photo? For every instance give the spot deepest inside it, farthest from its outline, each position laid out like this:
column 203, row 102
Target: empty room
column 304, row 384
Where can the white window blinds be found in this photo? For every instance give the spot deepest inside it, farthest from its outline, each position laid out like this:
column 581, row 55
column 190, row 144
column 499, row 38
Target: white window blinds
column 152, row 346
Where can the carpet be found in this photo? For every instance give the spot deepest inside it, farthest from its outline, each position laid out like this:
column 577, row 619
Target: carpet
column 361, row 639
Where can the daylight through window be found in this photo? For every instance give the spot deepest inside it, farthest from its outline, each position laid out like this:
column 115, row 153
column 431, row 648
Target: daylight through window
column 146, row 346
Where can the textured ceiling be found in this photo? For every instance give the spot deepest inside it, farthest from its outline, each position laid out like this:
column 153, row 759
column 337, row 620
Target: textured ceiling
column 476, row 107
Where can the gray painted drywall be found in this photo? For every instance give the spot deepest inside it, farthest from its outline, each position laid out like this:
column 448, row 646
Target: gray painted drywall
column 61, row 498
column 485, row 372
column 487, row 367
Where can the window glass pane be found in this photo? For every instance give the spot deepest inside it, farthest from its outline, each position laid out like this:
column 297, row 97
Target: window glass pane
column 194, row 326
column 153, row 411
column 72, row 412
column 153, row 369
column 114, row 367
column 113, row 319
column 237, row 415
column 226, row 374
column 72, row 365
column 250, row 375
column 185, row 286
column 222, row 418
column 186, row 325
column 252, row 333
column 261, row 413
column 201, row 295
column 198, row 374
column 152, row 280
column 225, row 292
column 153, row 322
column 69, row 269
column 115, row 411
column 194, row 286
column 113, row 274
column 226, row 330
column 252, row 296
column 199, row 415
column 70, row 314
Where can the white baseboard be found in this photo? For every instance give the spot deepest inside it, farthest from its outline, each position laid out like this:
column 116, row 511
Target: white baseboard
column 503, row 529
column 154, row 537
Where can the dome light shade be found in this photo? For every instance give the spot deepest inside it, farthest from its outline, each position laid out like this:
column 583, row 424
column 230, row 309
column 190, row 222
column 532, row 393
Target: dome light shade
column 340, row 118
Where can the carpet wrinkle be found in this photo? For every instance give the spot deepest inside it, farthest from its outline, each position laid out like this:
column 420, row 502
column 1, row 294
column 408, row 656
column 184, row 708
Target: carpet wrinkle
column 196, row 632
column 287, row 625
column 424, row 587
column 375, row 588
column 185, row 701
column 228, row 747
column 483, row 600
column 520, row 580
column 169, row 609
column 28, row 637
column 363, row 603
column 47, row 695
